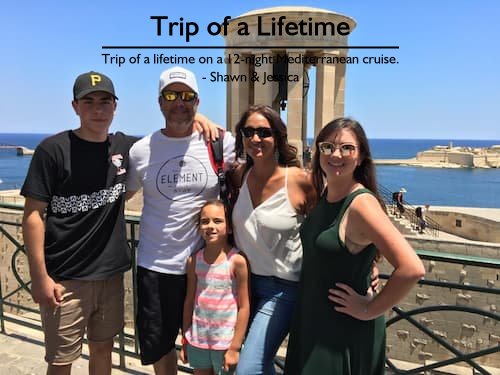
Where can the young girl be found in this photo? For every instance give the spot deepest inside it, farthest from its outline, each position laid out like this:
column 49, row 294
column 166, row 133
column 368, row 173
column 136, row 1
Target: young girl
column 216, row 308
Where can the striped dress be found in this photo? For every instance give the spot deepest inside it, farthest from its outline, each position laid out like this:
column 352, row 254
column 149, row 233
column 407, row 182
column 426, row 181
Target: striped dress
column 215, row 305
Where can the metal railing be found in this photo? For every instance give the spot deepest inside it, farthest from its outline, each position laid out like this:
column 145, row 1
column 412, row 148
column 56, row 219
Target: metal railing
column 457, row 355
column 126, row 344
column 432, row 227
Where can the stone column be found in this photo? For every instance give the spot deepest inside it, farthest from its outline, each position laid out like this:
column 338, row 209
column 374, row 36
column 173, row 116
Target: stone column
column 305, row 107
column 325, row 93
column 263, row 93
column 237, row 93
column 295, row 101
column 340, row 89
column 229, row 89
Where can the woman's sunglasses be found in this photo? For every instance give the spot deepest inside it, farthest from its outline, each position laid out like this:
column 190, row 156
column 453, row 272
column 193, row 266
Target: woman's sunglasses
column 328, row 148
column 249, row 132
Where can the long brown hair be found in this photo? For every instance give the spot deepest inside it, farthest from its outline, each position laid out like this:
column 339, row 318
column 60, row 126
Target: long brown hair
column 364, row 173
column 287, row 152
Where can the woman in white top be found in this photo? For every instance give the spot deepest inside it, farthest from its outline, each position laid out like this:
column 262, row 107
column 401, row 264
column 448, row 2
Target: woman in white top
column 275, row 195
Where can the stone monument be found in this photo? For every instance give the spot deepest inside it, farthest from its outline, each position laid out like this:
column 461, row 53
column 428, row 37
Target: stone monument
column 278, row 45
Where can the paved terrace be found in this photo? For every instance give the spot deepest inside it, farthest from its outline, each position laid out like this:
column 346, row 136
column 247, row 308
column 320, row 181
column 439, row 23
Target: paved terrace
column 22, row 351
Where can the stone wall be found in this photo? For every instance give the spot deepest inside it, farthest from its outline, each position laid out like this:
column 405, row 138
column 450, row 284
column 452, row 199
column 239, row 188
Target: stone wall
column 439, row 156
column 488, row 160
column 468, row 332
column 484, row 158
column 9, row 243
column 472, row 227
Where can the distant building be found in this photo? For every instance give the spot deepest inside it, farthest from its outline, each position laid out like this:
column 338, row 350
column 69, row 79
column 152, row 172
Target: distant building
column 473, row 157
column 21, row 151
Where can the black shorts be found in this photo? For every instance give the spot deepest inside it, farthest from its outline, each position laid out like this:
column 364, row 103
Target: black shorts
column 160, row 301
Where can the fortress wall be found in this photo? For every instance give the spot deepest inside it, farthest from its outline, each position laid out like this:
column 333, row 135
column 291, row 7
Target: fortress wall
column 486, row 158
column 445, row 156
column 489, row 159
column 432, row 156
column 468, row 226
column 484, row 250
column 468, row 332
column 461, row 158
column 481, row 160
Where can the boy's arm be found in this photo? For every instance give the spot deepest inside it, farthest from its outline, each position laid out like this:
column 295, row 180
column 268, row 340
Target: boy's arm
column 43, row 288
column 129, row 194
column 187, row 317
column 242, row 279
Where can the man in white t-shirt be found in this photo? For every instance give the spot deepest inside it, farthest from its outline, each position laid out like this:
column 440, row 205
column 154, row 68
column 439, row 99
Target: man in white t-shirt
column 172, row 166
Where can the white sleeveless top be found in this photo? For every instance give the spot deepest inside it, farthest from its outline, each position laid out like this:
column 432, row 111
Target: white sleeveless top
column 269, row 234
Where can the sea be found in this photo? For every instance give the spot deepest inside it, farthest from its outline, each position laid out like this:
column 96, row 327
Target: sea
column 464, row 187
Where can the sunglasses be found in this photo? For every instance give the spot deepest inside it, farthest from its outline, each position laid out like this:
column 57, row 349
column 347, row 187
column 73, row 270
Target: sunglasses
column 249, row 132
column 328, row 148
column 186, row 96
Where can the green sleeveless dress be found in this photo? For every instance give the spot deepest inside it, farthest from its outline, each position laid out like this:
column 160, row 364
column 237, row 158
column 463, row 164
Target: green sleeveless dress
column 322, row 340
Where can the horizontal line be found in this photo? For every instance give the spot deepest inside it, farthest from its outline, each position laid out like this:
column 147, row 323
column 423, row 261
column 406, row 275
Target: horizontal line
column 250, row 47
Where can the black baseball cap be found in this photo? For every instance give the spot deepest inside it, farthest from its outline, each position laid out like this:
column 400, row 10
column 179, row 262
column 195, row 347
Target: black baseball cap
column 90, row 82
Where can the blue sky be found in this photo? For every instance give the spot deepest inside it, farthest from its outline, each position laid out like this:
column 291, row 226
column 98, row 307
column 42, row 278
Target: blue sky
column 446, row 84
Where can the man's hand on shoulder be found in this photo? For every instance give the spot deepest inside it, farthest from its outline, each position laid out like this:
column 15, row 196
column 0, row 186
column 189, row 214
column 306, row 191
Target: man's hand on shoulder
column 209, row 129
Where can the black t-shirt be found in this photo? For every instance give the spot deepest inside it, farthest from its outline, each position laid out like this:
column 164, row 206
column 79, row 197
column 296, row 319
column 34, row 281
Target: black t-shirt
column 84, row 184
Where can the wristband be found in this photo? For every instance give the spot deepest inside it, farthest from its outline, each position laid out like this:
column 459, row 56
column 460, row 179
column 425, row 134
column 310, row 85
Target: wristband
column 184, row 341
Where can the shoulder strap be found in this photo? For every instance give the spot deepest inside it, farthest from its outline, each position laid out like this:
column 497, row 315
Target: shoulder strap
column 216, row 155
column 350, row 198
column 216, row 152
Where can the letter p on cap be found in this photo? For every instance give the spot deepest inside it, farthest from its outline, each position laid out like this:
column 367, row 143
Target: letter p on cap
column 95, row 79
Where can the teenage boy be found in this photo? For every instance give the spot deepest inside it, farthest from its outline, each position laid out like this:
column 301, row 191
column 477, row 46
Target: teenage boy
column 74, row 230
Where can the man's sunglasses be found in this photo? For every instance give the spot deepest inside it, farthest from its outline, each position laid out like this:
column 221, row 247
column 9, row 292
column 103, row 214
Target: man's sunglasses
column 186, row 96
column 328, row 148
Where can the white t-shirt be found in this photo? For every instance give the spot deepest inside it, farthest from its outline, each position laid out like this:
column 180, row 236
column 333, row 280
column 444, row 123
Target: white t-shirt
column 177, row 179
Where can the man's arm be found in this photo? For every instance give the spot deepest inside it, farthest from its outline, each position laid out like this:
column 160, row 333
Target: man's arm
column 204, row 125
column 43, row 288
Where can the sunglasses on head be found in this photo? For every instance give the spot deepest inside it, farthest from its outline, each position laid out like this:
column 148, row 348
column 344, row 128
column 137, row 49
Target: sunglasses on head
column 328, row 148
column 249, row 132
column 186, row 96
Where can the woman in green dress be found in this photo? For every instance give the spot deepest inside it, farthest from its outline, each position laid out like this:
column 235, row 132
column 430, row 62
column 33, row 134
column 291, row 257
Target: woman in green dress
column 339, row 328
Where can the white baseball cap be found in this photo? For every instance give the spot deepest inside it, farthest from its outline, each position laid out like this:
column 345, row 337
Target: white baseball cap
column 178, row 75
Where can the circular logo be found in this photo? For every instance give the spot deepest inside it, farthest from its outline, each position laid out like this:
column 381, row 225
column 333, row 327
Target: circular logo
column 181, row 178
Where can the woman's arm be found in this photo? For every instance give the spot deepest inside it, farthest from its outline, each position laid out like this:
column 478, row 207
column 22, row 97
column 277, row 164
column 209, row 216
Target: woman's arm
column 302, row 194
column 368, row 222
